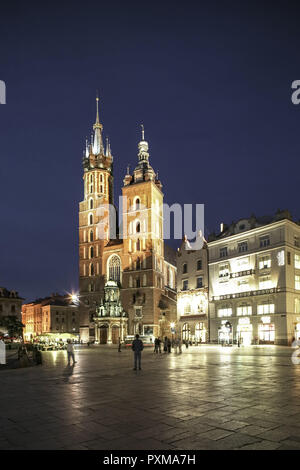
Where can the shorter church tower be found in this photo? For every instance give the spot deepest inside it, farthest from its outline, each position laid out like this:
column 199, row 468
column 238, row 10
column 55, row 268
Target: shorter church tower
column 143, row 281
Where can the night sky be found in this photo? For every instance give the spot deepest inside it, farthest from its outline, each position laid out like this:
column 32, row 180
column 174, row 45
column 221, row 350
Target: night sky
column 211, row 81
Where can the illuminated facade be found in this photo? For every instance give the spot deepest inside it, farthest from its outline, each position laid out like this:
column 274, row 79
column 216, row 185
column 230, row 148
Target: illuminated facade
column 192, row 294
column 135, row 259
column 52, row 316
column 254, row 281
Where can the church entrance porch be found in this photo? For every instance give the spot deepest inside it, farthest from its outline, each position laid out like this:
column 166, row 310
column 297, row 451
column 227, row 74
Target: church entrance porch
column 115, row 334
column 103, row 334
column 110, row 330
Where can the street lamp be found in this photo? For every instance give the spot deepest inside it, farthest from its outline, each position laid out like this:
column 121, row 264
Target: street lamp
column 74, row 298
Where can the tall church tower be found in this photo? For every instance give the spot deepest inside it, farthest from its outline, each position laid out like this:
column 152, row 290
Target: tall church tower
column 93, row 234
column 143, row 281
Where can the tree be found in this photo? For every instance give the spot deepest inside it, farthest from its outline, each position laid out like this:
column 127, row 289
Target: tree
column 13, row 325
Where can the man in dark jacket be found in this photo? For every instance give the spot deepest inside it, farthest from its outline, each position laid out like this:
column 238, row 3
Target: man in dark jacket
column 137, row 348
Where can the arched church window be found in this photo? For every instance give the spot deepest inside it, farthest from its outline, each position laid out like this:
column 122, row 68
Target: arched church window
column 91, row 203
column 91, row 219
column 138, row 263
column 114, row 268
column 91, row 236
column 138, row 245
column 137, row 204
column 138, row 227
column 92, row 252
column 92, row 270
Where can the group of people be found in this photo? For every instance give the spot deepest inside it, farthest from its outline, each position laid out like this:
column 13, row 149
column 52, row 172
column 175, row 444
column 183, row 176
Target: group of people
column 175, row 343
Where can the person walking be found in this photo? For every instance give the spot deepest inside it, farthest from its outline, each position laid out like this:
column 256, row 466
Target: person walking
column 166, row 344
column 137, row 348
column 156, row 345
column 70, row 352
column 169, row 345
column 179, row 346
column 119, row 347
column 159, row 345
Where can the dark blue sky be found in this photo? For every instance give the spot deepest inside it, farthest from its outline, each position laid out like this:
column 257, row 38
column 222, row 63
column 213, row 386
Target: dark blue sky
column 211, row 81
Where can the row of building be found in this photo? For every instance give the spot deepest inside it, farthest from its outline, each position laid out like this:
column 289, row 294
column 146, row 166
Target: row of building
column 243, row 285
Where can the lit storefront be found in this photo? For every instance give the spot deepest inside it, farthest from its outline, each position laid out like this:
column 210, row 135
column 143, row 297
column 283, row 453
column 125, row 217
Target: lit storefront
column 200, row 333
column 225, row 333
column 186, row 332
column 244, row 331
column 193, row 320
column 266, row 331
column 297, row 331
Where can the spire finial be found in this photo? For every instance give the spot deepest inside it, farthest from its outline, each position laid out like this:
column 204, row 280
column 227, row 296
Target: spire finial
column 128, row 169
column 97, row 107
column 143, row 132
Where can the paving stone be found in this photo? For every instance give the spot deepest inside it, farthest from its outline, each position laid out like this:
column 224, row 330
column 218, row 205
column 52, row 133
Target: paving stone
column 189, row 401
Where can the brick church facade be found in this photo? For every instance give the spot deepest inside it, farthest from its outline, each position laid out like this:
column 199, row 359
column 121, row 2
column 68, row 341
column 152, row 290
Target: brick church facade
column 127, row 280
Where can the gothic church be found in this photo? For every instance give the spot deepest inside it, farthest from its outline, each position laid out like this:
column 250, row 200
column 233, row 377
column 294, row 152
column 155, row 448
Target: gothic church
column 127, row 283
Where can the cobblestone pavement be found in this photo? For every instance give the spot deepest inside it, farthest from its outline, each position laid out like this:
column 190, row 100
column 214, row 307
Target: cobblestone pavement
column 207, row 398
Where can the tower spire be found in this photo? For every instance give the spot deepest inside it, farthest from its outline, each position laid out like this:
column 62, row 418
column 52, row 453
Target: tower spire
column 98, row 143
column 143, row 147
column 97, row 108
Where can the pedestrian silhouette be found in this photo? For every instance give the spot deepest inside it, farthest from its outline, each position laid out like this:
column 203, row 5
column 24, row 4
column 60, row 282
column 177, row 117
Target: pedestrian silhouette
column 137, row 348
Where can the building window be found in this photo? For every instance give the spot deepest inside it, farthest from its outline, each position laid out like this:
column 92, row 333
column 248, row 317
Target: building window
column 297, row 261
column 223, row 252
column 225, row 312
column 224, row 270
column 199, row 282
column 296, row 241
column 144, row 280
column 264, row 241
column 184, row 268
column 13, row 309
column 264, row 262
column 265, row 282
column 137, row 204
column 185, row 285
column 244, row 310
column 91, row 219
column 138, row 245
column 91, row 203
column 243, row 246
column 265, row 308
column 138, row 227
column 138, row 263
column 91, row 236
column 199, row 264
column 297, row 305
column 288, row 257
column 243, row 285
column 137, row 282
column 187, row 308
column 114, row 268
column 92, row 270
column 92, row 252
column 297, row 282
